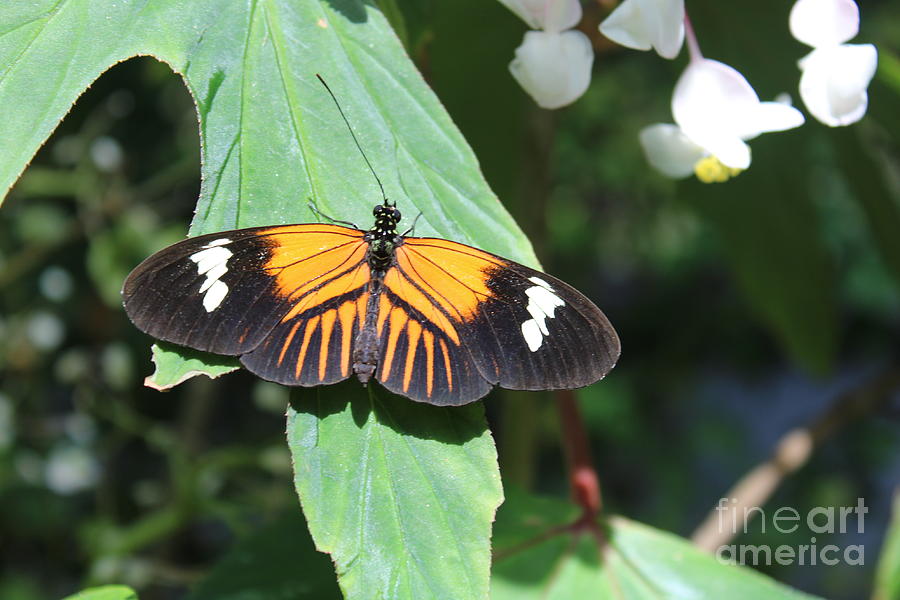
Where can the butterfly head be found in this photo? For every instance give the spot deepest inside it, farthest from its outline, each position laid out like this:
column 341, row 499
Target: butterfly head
column 386, row 218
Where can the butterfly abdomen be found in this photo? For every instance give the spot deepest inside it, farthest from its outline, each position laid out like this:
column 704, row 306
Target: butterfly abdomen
column 365, row 355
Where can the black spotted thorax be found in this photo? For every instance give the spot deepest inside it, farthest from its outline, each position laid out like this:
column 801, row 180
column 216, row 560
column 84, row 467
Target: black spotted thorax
column 383, row 238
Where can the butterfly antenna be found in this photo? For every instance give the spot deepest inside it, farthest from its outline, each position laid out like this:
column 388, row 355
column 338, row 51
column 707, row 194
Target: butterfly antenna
column 353, row 135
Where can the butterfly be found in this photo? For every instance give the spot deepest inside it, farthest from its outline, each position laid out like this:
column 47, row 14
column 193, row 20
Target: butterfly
column 431, row 319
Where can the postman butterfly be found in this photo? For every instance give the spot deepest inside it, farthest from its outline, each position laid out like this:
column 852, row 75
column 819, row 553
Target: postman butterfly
column 431, row 319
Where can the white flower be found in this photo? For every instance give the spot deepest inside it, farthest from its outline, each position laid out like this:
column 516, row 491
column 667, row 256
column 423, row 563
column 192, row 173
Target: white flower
column 645, row 24
column 716, row 111
column 549, row 15
column 820, row 23
column 835, row 74
column 669, row 151
column 552, row 65
column 554, row 68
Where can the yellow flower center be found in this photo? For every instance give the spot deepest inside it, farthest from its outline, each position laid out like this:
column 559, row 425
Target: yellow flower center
column 710, row 169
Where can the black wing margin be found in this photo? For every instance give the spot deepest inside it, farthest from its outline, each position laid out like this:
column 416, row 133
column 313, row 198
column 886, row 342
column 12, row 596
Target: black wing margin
column 208, row 292
column 535, row 332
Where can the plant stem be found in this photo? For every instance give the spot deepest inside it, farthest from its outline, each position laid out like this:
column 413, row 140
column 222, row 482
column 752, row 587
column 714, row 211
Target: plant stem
column 691, row 39
column 790, row 453
column 582, row 475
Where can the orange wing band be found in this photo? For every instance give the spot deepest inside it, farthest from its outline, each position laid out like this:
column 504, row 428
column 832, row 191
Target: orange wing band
column 328, row 260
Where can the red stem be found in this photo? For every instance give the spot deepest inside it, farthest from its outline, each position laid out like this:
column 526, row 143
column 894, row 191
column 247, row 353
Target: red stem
column 582, row 475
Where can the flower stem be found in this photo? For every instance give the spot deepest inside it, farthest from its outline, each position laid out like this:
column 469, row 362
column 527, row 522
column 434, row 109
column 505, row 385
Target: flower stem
column 582, row 476
column 691, row 39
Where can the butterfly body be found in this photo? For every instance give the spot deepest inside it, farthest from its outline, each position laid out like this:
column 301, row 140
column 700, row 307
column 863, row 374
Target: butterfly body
column 431, row 319
column 382, row 240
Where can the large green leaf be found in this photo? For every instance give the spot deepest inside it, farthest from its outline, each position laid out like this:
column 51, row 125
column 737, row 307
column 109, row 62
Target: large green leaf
column 272, row 140
column 400, row 494
column 271, row 137
column 538, row 555
column 105, row 592
column 278, row 562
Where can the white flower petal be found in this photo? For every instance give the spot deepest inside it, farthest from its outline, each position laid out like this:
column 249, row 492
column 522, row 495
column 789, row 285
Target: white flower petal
column 560, row 15
column 522, row 9
column 820, row 23
column 834, row 81
column 554, row 68
column 669, row 27
column 770, row 116
column 730, row 150
column 645, row 24
column 549, row 15
column 717, row 109
column 712, row 100
column 669, row 151
column 712, row 96
column 627, row 26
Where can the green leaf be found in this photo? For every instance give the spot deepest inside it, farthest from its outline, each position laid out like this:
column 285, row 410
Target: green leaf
column 768, row 227
column 175, row 364
column 401, row 494
column 538, row 555
column 105, row 592
column 271, row 136
column 887, row 577
column 866, row 179
column 278, row 562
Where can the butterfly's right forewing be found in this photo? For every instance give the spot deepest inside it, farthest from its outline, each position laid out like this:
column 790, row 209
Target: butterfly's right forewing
column 251, row 291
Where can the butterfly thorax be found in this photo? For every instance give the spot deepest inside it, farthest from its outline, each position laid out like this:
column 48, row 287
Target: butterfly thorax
column 383, row 238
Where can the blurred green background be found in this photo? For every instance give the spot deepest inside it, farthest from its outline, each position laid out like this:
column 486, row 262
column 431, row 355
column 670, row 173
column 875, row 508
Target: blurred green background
column 745, row 309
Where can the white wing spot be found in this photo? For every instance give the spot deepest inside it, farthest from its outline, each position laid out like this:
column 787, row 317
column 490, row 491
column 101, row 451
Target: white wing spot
column 542, row 303
column 212, row 261
column 214, row 296
column 532, row 333
column 540, row 282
